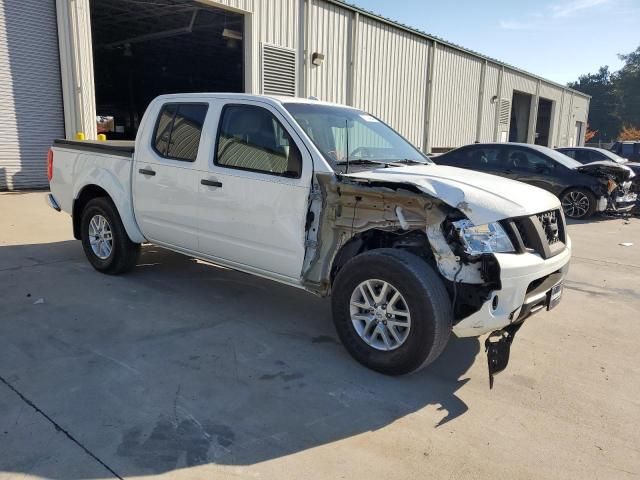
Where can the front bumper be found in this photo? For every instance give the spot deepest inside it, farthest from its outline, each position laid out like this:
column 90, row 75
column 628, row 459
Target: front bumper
column 624, row 203
column 526, row 280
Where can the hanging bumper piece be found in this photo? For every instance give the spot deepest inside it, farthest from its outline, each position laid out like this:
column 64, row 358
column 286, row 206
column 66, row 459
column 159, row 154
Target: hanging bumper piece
column 498, row 346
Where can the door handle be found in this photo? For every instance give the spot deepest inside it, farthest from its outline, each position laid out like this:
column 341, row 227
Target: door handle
column 210, row 183
column 146, row 171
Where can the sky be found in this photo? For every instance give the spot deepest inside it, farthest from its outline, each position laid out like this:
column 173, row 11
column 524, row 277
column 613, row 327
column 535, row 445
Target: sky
column 555, row 39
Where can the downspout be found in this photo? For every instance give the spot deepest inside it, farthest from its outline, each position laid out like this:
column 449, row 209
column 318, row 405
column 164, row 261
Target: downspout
column 352, row 42
column 496, row 122
column 302, row 49
column 483, row 75
column 428, row 140
column 558, row 139
column 570, row 120
column 533, row 116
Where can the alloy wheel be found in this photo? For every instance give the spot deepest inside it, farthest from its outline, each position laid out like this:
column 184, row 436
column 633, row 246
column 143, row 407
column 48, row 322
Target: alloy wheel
column 380, row 315
column 100, row 237
column 575, row 204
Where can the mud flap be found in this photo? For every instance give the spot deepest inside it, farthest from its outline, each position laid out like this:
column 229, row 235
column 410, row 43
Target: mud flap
column 498, row 346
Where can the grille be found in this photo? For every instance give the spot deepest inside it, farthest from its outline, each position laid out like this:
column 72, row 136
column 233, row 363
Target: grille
column 550, row 226
column 543, row 233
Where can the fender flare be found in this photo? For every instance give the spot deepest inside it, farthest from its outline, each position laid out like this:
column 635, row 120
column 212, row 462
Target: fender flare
column 121, row 198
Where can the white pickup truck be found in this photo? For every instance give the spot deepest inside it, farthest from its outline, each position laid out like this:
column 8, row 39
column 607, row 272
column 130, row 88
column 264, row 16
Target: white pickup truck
column 329, row 199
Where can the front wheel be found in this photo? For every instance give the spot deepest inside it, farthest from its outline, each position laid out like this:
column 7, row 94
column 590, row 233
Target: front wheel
column 105, row 240
column 578, row 203
column 391, row 311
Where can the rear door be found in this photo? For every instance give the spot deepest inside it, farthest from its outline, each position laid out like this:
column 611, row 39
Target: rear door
column 253, row 197
column 165, row 181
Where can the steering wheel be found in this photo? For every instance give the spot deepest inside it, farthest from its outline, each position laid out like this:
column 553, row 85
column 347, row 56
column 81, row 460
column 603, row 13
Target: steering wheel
column 364, row 153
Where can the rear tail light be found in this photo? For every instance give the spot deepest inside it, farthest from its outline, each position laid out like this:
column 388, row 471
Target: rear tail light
column 50, row 165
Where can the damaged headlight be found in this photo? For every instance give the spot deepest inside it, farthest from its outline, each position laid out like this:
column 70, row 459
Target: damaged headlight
column 487, row 238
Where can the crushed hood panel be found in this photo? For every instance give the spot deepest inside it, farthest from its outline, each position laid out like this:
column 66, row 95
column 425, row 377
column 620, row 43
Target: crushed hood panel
column 620, row 173
column 482, row 197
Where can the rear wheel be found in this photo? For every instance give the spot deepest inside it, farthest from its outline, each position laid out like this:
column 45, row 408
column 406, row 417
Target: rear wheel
column 391, row 310
column 104, row 239
column 578, row 203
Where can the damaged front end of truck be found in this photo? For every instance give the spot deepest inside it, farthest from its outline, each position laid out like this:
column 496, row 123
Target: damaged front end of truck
column 348, row 216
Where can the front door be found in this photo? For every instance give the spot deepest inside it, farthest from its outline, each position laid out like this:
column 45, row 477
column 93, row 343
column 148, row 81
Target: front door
column 165, row 179
column 253, row 200
column 535, row 169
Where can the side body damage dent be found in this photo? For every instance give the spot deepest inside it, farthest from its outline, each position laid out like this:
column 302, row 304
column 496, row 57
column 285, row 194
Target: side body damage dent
column 341, row 209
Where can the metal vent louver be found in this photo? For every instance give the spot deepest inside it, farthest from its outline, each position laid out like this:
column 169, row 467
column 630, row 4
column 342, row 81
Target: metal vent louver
column 505, row 110
column 278, row 71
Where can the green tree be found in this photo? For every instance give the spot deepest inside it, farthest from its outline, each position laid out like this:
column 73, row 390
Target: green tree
column 627, row 89
column 602, row 109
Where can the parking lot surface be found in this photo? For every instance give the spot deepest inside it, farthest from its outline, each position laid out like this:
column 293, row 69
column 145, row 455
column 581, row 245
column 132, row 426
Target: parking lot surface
column 185, row 370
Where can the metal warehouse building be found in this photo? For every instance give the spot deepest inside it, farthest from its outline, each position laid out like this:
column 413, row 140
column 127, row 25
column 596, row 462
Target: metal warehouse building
column 92, row 66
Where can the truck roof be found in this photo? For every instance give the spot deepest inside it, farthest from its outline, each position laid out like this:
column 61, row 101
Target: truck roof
column 273, row 99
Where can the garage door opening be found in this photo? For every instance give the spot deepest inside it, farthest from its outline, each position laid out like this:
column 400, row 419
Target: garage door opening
column 146, row 48
column 543, row 122
column 520, row 111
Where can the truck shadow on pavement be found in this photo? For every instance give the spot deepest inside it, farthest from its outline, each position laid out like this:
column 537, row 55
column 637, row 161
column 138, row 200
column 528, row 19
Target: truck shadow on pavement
column 181, row 363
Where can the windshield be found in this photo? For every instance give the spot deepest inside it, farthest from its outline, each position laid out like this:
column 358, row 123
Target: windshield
column 616, row 158
column 342, row 134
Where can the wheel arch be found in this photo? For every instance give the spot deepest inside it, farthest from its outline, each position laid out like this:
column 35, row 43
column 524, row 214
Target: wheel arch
column 414, row 241
column 120, row 198
column 595, row 196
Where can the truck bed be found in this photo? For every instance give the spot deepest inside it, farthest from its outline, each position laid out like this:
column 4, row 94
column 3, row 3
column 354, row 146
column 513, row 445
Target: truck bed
column 122, row 148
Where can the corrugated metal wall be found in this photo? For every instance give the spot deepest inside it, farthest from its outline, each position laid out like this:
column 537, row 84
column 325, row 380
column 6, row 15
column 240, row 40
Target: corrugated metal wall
column 329, row 34
column 517, row 81
column 246, row 5
column 553, row 93
column 371, row 63
column 580, row 114
column 274, row 22
column 31, row 113
column 390, row 76
column 455, row 99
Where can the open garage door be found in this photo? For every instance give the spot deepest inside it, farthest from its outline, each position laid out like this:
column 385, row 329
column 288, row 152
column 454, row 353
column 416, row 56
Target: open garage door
column 145, row 48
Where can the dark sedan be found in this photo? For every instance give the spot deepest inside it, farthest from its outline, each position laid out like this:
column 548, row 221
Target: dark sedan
column 586, row 155
column 582, row 189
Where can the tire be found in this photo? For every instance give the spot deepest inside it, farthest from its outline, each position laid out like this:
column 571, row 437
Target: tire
column 423, row 295
column 578, row 203
column 123, row 254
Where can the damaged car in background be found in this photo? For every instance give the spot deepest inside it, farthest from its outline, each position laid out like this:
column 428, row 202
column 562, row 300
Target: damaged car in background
column 583, row 190
column 329, row 199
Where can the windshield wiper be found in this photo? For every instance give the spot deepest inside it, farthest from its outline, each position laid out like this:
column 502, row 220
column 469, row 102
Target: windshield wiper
column 407, row 161
column 364, row 161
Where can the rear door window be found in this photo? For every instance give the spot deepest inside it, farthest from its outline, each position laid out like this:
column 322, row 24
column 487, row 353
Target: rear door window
column 178, row 130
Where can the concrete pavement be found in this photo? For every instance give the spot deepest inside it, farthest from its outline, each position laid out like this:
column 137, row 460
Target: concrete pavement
column 185, row 370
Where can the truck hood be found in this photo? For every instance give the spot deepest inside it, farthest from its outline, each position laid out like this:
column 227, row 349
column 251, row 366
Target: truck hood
column 483, row 198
